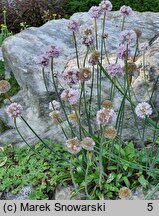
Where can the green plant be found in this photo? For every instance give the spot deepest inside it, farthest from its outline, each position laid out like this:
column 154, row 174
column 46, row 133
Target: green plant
column 30, row 12
column 20, row 167
column 138, row 5
column 100, row 162
column 130, row 170
column 4, row 29
column 24, row 168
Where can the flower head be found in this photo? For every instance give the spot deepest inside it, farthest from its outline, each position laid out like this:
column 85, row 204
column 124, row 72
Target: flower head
column 125, row 11
column 131, row 67
column 43, row 60
column 143, row 46
column 73, row 145
column 88, row 144
column 107, row 104
column 128, row 37
column 110, row 132
column 55, row 104
column 93, row 58
column 4, row 86
column 123, row 51
column 143, row 109
column 85, row 74
column 138, row 32
column 106, row 6
column 55, row 115
column 71, row 76
column 14, row 110
column 71, row 96
column 114, row 69
column 88, row 39
column 52, row 52
column 125, row 193
column 95, row 12
column 105, row 116
column 73, row 117
column 73, row 25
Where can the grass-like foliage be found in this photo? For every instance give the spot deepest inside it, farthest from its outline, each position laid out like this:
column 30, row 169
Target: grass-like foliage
column 21, row 167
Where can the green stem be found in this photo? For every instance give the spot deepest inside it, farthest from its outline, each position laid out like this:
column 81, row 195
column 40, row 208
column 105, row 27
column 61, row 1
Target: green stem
column 43, row 72
column 90, row 100
column 15, row 124
column 86, row 175
column 86, row 110
column 74, row 37
column 84, row 62
column 106, row 53
column 101, row 159
column 96, row 32
column 123, row 23
column 51, row 150
column 56, row 90
column 136, row 50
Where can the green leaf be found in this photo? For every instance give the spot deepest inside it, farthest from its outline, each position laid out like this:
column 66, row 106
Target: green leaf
column 79, row 170
column 129, row 150
column 126, row 181
column 124, row 164
column 112, row 167
column 143, row 181
column 118, row 177
column 110, row 188
column 119, row 150
column 111, row 177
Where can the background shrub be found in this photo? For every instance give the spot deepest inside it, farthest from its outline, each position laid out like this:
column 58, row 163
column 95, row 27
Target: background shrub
column 30, row 12
column 138, row 5
column 37, row 12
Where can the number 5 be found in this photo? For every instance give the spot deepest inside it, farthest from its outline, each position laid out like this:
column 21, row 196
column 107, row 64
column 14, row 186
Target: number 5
column 150, row 206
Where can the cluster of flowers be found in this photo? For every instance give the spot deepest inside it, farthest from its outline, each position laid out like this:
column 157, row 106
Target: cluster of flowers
column 106, row 116
column 106, row 6
column 74, row 145
column 51, row 52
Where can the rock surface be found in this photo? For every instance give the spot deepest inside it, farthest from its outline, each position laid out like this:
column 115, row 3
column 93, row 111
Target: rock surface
column 23, row 194
column 20, row 53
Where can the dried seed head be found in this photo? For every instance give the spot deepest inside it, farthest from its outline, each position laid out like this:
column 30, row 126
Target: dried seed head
column 4, row 86
column 88, row 31
column 55, row 115
column 73, row 145
column 138, row 32
column 107, row 104
column 94, row 57
column 110, row 133
column 125, row 193
column 88, row 144
column 85, row 74
column 73, row 117
column 131, row 67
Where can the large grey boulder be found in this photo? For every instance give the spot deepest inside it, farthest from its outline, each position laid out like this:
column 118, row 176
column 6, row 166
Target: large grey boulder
column 21, row 50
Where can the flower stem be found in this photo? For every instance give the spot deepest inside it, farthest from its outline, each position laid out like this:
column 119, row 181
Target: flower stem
column 96, row 32
column 43, row 72
column 56, row 90
column 74, row 37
